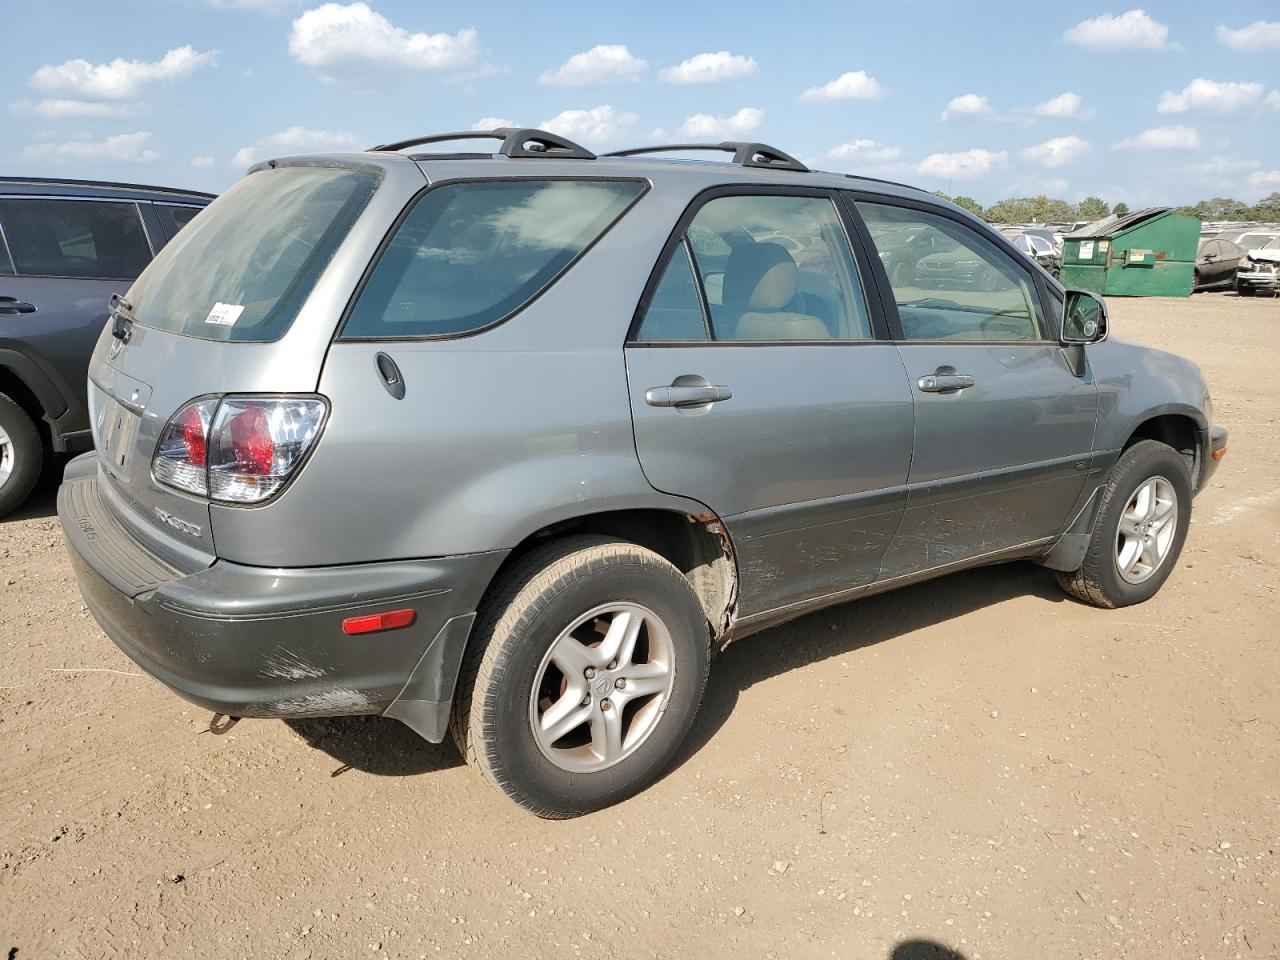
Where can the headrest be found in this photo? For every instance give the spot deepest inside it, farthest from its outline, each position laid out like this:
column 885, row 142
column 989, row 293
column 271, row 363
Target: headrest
column 759, row 276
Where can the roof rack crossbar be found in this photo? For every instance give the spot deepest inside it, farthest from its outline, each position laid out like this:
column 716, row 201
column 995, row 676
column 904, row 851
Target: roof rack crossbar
column 516, row 142
column 745, row 154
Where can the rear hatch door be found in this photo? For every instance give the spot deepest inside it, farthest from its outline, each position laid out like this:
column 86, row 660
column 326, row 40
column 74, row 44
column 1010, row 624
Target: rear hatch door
column 244, row 300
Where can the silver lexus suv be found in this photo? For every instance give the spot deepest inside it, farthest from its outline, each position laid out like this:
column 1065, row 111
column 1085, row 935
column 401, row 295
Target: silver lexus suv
column 508, row 444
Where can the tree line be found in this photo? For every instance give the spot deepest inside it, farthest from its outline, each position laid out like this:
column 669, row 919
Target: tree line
column 1042, row 209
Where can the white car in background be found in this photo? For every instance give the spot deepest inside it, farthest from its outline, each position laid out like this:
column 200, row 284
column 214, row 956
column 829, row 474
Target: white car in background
column 1259, row 269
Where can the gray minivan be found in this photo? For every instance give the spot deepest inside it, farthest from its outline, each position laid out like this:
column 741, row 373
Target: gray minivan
column 509, row 444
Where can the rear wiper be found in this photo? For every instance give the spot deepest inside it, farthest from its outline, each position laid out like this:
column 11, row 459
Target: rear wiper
column 119, row 305
column 121, row 318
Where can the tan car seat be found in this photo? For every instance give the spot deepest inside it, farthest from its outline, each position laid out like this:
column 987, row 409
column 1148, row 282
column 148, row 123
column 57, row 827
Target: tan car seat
column 760, row 281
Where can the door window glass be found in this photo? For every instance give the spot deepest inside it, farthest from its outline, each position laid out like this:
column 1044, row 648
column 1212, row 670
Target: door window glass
column 94, row 239
column 778, row 268
column 951, row 283
column 675, row 312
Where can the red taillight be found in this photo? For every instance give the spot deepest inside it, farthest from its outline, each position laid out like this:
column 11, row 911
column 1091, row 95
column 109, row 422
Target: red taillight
column 183, row 452
column 391, row 620
column 237, row 449
column 251, row 442
column 193, row 427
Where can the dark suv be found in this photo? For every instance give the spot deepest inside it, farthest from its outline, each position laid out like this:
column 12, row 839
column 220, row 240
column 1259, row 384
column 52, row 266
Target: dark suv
column 510, row 443
column 65, row 247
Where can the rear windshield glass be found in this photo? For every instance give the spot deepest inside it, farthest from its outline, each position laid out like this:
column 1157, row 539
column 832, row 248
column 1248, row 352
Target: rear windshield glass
column 470, row 254
column 241, row 270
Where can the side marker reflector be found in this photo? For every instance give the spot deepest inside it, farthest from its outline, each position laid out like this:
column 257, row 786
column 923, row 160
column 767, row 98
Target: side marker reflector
column 1219, row 454
column 374, row 622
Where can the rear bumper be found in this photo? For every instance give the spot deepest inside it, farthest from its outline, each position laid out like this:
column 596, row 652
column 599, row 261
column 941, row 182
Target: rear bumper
column 260, row 642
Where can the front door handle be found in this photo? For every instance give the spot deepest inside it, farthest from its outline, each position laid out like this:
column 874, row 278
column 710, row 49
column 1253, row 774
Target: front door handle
column 682, row 395
column 11, row 305
column 945, row 382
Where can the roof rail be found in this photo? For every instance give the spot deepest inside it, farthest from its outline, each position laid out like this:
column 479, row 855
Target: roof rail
column 744, row 154
column 65, row 182
column 516, row 142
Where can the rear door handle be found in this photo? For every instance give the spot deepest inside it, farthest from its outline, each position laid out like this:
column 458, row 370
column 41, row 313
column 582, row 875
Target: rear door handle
column 945, row 382
column 11, row 305
column 685, row 396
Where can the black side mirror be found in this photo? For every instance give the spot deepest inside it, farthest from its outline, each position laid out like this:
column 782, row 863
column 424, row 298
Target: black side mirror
column 1084, row 318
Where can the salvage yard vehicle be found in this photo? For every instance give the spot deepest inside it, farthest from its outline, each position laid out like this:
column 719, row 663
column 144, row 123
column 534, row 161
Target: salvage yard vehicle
column 1040, row 250
column 65, row 247
column 1216, row 262
column 508, row 444
column 1259, row 270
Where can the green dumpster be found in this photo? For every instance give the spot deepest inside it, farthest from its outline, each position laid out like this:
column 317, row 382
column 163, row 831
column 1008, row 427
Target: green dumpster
column 1148, row 253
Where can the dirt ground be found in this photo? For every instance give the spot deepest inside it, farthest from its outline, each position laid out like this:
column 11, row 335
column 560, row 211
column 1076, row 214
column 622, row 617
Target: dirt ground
column 976, row 762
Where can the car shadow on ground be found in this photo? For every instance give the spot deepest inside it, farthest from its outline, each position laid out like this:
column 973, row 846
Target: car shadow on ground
column 924, row 950
column 388, row 748
column 376, row 745
column 43, row 500
column 852, row 626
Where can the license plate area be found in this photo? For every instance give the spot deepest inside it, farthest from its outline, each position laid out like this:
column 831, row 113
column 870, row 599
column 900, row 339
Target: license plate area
column 115, row 429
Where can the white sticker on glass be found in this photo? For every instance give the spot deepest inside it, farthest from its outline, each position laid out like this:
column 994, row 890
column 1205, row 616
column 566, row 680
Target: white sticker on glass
column 225, row 314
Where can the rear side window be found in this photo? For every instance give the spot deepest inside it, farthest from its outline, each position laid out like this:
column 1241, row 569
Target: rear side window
column 468, row 255
column 87, row 239
column 242, row 270
column 174, row 216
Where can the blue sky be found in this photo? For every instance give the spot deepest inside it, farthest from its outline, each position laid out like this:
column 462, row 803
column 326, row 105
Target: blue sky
column 1170, row 104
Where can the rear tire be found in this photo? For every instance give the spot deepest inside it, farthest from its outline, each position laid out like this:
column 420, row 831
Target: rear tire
column 1244, row 290
column 1148, row 490
column 555, row 608
column 21, row 455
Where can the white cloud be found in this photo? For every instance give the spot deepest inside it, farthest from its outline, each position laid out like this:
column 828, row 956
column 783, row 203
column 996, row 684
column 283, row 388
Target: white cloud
column 1219, row 166
column 1265, row 179
column 1273, row 99
column 1162, row 138
column 855, row 85
column 127, row 147
column 706, row 126
column 1201, row 94
column 296, row 140
column 1057, row 152
column 72, row 108
column 1259, row 35
column 1065, row 106
column 709, row 68
column 604, row 63
column 120, row 79
column 864, row 151
column 345, row 41
column 966, row 105
column 965, row 165
column 1132, row 30
column 599, row 123
column 203, row 161
column 493, row 123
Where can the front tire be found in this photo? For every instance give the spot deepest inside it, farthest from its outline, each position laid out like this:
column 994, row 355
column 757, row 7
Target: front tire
column 21, row 455
column 1139, row 531
column 583, row 677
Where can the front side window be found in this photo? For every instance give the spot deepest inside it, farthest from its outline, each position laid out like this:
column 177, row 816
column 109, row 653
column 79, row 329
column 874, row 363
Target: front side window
column 771, row 268
column 470, row 254
column 950, row 282
column 87, row 239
